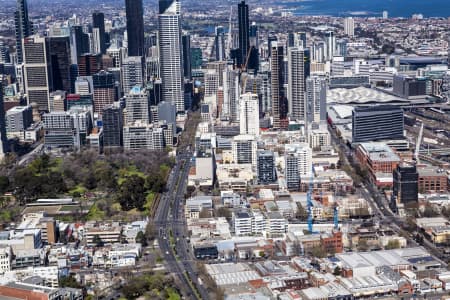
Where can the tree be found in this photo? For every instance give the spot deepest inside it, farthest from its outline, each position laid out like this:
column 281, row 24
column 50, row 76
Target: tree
column 392, row 244
column 132, row 193
column 301, row 213
column 362, row 245
column 4, row 184
column 318, row 252
column 223, row 212
column 429, row 211
column 150, row 232
column 337, row 271
column 69, row 281
column 141, row 238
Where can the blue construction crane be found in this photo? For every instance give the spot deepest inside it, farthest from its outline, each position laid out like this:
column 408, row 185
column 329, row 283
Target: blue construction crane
column 309, row 201
column 336, row 217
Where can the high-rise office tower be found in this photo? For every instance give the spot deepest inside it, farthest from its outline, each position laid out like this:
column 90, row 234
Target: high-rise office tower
column 211, row 82
column 385, row 14
column 290, row 42
column 89, row 64
column 187, row 68
column 249, row 114
column 37, row 71
column 24, row 28
column 98, row 25
column 59, row 56
column 270, row 40
column 244, row 40
column 279, row 103
column 331, row 45
column 104, row 90
column 296, row 84
column 4, row 53
column 132, row 73
column 300, row 39
column 137, row 108
column 79, row 43
column 3, row 138
column 219, row 43
column 169, row 24
column 316, row 95
column 135, row 27
column 349, row 26
column 112, row 119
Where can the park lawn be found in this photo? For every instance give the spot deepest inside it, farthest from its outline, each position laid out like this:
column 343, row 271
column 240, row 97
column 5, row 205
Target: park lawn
column 124, row 173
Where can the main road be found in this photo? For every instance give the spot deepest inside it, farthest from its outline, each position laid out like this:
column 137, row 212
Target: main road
column 380, row 205
column 169, row 221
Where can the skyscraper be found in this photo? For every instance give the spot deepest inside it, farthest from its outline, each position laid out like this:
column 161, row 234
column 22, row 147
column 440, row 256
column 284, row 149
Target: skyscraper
column 296, row 84
column 316, row 98
column 104, row 90
column 249, row 114
column 135, row 27
column 244, row 40
column 219, row 43
column 279, row 103
column 187, row 68
column 59, row 56
column 331, row 45
column 137, row 108
column 266, row 167
column 112, row 126
column 3, row 139
column 349, row 26
column 98, row 22
column 405, row 184
column 36, row 71
column 132, row 73
column 24, row 28
column 169, row 24
column 79, row 43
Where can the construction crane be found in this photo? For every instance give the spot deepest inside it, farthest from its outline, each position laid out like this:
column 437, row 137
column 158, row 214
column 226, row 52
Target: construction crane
column 309, row 201
column 244, row 70
column 336, row 216
column 418, row 143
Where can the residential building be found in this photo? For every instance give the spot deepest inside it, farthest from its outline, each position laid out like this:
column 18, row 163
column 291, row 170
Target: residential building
column 266, row 167
column 296, row 84
column 349, row 26
column 244, row 150
column 249, row 114
column 405, row 184
column 170, row 51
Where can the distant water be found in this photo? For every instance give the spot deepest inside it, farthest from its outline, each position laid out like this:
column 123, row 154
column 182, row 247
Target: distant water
column 395, row 8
